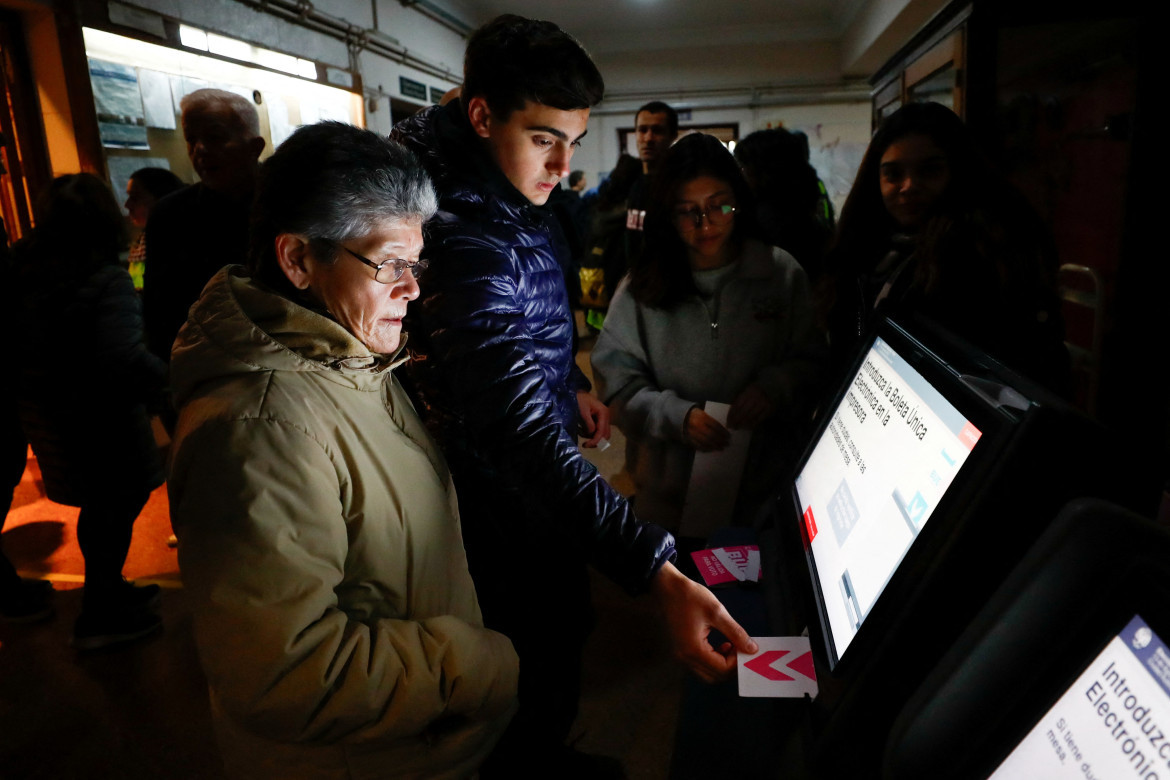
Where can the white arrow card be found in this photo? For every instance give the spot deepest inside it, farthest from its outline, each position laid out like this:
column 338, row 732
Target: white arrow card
column 783, row 667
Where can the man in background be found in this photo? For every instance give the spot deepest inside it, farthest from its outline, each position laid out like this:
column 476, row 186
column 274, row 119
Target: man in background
column 194, row 232
column 577, row 181
column 655, row 130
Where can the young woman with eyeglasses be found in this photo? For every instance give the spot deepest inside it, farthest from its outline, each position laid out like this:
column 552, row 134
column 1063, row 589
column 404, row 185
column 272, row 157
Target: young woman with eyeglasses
column 708, row 313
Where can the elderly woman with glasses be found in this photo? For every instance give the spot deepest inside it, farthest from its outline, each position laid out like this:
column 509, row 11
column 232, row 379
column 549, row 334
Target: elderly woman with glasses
column 707, row 314
column 319, row 538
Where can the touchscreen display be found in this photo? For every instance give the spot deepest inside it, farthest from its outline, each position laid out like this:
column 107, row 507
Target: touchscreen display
column 890, row 451
column 1113, row 722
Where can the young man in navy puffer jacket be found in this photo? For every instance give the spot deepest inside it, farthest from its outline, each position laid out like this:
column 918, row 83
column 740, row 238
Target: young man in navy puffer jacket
column 495, row 375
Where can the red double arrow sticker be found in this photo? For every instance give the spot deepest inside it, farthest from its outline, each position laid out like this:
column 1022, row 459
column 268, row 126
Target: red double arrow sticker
column 763, row 665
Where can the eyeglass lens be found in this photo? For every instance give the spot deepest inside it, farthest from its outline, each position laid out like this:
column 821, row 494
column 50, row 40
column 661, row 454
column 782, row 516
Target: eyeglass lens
column 693, row 218
column 393, row 270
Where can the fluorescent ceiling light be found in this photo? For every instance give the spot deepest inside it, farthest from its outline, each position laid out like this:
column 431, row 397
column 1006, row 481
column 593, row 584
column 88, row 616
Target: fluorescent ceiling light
column 246, row 52
column 192, row 38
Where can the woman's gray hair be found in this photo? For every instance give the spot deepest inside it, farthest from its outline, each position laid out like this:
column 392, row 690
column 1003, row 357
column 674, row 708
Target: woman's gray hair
column 334, row 183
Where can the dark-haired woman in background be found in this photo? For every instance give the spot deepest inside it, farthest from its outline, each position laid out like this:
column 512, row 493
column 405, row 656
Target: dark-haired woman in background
column 147, row 186
column 931, row 228
column 83, row 394
column 708, row 313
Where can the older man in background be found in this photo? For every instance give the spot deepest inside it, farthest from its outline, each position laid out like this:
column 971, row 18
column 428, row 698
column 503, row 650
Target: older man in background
column 199, row 229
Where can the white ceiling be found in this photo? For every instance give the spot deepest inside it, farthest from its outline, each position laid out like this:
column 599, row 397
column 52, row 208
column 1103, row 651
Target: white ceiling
column 684, row 49
column 609, row 26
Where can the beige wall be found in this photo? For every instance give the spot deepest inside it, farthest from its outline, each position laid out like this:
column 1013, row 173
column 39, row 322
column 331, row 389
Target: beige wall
column 52, row 92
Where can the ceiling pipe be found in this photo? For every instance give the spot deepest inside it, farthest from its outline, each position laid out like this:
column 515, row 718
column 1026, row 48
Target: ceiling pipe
column 303, row 13
column 440, row 15
column 620, row 102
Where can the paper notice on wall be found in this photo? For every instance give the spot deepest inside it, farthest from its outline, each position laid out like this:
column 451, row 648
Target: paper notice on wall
column 118, row 101
column 325, row 106
column 157, row 104
column 310, row 112
column 715, row 478
column 279, row 126
column 184, row 85
column 237, row 89
column 334, row 110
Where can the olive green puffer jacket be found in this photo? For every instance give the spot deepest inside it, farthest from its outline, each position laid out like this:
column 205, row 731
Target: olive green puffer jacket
column 321, row 548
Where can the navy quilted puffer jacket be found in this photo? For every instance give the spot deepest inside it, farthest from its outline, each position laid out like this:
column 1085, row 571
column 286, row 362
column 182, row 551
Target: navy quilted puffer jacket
column 493, row 339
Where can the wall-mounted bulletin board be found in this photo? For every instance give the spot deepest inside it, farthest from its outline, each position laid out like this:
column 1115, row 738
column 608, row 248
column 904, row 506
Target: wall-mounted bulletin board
column 138, row 86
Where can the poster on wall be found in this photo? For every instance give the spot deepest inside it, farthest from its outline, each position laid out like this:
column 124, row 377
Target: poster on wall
column 323, row 107
column 184, row 85
column 836, row 162
column 157, row 104
column 279, row 126
column 121, row 119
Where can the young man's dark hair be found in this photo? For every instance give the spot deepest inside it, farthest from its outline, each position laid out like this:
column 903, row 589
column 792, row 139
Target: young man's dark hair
column 507, row 63
column 658, row 107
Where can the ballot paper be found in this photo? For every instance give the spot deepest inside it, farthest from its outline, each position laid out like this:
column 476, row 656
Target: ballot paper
column 721, row 565
column 781, row 668
column 714, row 483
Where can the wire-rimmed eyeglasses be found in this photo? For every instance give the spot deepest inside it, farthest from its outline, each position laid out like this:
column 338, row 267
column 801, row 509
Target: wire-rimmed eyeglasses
column 389, row 271
column 687, row 220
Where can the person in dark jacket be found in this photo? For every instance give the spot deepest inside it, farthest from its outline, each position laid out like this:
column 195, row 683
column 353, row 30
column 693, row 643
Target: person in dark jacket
column 655, row 130
column 196, row 231
column 788, row 196
column 21, row 600
column 605, row 258
column 147, row 186
column 498, row 383
column 84, row 410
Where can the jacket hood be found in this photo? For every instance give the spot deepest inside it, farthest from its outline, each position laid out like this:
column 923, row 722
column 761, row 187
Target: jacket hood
column 239, row 327
column 454, row 157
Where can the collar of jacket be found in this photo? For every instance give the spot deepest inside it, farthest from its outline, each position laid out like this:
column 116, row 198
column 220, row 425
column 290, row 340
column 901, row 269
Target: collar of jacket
column 263, row 330
column 463, row 168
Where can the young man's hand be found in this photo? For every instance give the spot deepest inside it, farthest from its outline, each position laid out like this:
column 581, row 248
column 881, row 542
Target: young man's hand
column 691, row 612
column 594, row 418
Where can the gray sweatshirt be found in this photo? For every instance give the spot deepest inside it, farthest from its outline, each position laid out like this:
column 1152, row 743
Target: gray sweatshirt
column 652, row 366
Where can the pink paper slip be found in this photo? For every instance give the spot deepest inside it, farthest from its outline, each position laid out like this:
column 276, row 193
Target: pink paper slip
column 728, row 564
